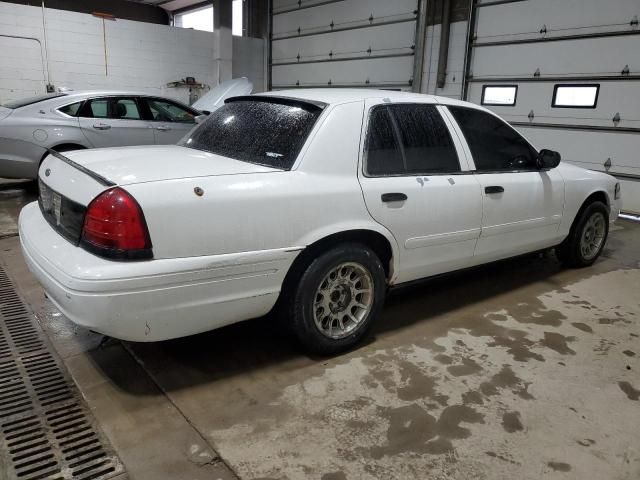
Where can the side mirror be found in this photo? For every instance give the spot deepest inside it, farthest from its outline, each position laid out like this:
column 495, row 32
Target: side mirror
column 200, row 118
column 548, row 159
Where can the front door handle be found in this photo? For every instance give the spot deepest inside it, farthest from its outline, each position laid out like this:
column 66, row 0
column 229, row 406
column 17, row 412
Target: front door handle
column 101, row 126
column 493, row 189
column 163, row 128
column 393, row 197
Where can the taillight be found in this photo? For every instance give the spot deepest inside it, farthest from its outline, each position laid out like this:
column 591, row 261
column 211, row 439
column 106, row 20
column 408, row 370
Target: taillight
column 114, row 227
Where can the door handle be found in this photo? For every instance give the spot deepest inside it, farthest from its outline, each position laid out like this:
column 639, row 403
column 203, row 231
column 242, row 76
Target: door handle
column 493, row 189
column 101, row 126
column 163, row 128
column 393, row 197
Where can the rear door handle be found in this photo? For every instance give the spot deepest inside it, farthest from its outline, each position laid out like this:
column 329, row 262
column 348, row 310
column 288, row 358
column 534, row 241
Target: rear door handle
column 393, row 197
column 163, row 128
column 494, row 189
column 101, row 126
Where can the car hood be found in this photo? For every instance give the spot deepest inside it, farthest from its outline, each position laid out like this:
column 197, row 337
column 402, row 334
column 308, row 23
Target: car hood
column 129, row 165
column 215, row 98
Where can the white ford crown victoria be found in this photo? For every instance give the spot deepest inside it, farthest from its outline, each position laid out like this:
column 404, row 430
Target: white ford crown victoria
column 314, row 201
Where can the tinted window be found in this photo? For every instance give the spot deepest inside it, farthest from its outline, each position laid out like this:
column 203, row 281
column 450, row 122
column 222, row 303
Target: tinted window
column 71, row 110
column 165, row 111
column 266, row 132
column 23, row 102
column 425, row 139
column 125, row 108
column 96, row 108
column 494, row 145
column 383, row 156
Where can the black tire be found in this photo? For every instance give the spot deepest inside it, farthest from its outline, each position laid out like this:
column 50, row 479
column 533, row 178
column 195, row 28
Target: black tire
column 299, row 303
column 569, row 252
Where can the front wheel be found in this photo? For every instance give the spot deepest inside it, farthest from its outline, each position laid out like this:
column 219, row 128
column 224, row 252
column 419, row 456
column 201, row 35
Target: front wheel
column 587, row 237
column 337, row 299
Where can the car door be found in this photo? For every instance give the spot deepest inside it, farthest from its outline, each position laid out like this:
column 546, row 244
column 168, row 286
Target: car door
column 114, row 122
column 171, row 121
column 522, row 204
column 415, row 182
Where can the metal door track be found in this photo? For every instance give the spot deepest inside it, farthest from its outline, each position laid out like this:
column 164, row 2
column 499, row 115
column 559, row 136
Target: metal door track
column 46, row 430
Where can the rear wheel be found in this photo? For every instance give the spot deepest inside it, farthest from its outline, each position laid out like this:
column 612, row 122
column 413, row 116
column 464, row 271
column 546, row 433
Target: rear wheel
column 587, row 237
column 338, row 296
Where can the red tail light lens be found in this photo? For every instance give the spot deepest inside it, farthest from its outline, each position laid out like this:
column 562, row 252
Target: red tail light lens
column 114, row 227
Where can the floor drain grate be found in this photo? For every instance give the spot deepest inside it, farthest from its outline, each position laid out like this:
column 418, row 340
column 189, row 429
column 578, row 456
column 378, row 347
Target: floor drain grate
column 46, row 431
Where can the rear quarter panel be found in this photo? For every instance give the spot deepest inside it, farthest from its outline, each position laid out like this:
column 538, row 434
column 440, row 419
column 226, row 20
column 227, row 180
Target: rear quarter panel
column 259, row 211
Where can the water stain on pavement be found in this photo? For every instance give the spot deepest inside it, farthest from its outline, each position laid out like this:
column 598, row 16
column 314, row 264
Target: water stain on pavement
column 559, row 466
column 627, row 388
column 558, row 342
column 511, row 422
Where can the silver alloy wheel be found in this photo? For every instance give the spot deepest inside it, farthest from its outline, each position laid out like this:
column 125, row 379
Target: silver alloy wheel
column 592, row 236
column 343, row 300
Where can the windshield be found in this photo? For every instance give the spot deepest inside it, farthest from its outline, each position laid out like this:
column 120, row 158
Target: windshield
column 266, row 131
column 23, row 102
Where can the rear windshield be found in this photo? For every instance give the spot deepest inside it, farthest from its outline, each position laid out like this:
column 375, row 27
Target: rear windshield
column 23, row 102
column 266, row 132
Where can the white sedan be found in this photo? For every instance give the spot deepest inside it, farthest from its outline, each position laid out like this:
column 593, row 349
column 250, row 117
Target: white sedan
column 313, row 202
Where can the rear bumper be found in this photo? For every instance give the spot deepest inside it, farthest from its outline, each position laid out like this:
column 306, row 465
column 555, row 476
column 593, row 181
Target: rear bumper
column 150, row 300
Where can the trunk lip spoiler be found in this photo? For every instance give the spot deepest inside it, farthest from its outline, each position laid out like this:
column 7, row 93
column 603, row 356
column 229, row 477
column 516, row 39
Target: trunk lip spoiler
column 96, row 176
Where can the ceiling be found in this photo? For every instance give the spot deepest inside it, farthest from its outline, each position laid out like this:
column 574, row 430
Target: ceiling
column 170, row 5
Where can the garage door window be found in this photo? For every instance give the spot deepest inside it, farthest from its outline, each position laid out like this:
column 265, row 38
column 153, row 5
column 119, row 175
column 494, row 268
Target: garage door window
column 409, row 139
column 499, row 95
column 495, row 146
column 575, row 96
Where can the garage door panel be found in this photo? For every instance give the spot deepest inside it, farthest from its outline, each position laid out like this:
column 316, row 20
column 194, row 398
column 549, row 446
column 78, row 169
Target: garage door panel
column 590, row 148
column 397, row 38
column 555, row 58
column 614, row 97
column 391, row 70
column 528, row 17
column 347, row 13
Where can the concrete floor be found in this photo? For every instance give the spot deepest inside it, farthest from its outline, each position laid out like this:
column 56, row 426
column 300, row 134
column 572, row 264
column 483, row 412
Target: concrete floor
column 516, row 370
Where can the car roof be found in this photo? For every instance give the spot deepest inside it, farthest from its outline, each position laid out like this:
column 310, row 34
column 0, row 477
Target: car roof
column 344, row 95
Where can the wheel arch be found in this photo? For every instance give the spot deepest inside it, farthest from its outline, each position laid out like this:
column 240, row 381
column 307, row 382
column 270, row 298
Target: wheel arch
column 379, row 240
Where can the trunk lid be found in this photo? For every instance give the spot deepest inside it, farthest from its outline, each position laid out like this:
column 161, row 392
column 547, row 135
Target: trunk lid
column 130, row 165
column 215, row 98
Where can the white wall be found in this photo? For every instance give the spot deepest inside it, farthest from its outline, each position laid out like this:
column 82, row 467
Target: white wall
column 249, row 61
column 140, row 56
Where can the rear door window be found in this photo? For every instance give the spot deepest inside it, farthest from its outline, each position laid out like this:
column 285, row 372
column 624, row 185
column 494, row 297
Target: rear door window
column 408, row 139
column 95, row 108
column 268, row 132
column 124, row 108
column 425, row 138
column 383, row 155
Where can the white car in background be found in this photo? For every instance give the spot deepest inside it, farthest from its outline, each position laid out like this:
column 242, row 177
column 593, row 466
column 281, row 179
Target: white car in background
column 314, row 201
column 94, row 119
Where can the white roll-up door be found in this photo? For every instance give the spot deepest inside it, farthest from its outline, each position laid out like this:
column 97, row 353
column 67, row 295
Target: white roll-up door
column 350, row 43
column 576, row 67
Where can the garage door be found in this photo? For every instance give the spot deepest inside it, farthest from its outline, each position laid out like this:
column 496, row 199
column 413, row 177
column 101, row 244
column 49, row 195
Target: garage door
column 21, row 68
column 567, row 74
column 348, row 43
